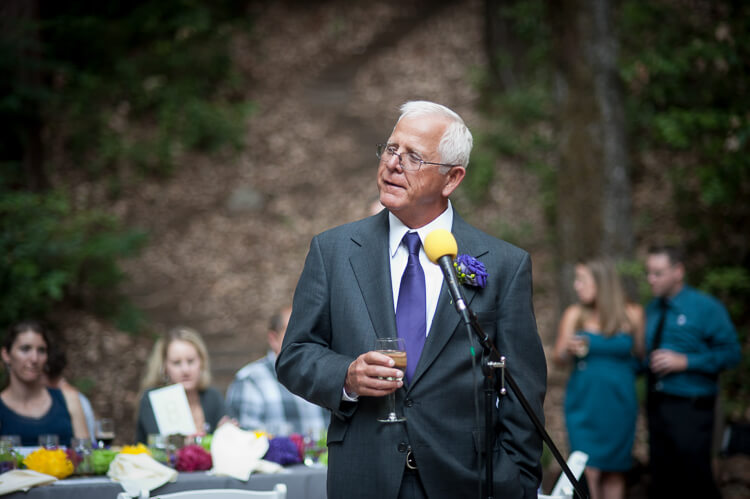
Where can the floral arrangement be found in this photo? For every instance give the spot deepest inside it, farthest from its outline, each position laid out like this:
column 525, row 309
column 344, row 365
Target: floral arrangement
column 53, row 462
column 74, row 457
column 470, row 271
column 282, row 450
column 8, row 459
column 135, row 449
column 100, row 460
column 193, row 457
column 299, row 441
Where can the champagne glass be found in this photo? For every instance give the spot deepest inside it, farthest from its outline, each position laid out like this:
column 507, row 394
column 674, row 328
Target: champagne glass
column 582, row 349
column 394, row 348
column 105, row 432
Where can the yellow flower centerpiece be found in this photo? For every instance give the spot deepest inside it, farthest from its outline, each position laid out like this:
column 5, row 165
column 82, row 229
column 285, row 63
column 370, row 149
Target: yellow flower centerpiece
column 135, row 449
column 53, row 462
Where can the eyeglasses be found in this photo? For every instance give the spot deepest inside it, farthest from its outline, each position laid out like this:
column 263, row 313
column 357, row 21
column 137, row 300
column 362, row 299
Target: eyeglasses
column 409, row 161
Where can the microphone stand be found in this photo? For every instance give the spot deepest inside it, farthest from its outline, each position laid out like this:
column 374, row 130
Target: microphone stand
column 492, row 360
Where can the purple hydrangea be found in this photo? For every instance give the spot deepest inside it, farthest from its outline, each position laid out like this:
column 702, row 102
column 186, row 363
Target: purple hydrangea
column 282, row 450
column 470, row 271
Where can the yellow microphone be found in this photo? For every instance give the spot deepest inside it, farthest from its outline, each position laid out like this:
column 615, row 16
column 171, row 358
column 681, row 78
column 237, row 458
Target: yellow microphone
column 438, row 243
column 441, row 248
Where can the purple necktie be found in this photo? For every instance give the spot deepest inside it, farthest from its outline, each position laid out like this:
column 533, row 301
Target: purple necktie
column 411, row 315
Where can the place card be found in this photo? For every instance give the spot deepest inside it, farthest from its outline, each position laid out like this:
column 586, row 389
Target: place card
column 172, row 411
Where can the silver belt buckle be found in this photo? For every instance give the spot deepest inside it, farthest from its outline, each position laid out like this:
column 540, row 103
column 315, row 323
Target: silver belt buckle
column 411, row 463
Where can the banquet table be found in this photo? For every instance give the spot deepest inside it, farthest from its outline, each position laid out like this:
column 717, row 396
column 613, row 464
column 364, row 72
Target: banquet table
column 302, row 482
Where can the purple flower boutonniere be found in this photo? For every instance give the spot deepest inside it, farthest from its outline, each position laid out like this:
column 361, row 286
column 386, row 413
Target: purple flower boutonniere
column 470, row 271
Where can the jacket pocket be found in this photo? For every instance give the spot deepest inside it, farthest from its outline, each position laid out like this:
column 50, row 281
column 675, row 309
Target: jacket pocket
column 336, row 431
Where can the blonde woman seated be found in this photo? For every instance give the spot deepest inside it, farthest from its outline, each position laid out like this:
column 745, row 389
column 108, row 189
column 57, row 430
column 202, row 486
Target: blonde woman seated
column 29, row 408
column 181, row 357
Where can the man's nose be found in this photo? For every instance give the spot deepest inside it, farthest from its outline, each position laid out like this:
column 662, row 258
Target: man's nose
column 394, row 162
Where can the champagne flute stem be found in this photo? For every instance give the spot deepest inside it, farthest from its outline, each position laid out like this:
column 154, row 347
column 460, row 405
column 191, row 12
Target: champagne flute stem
column 392, row 405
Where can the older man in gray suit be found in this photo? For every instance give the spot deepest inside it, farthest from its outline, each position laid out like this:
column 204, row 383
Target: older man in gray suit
column 354, row 288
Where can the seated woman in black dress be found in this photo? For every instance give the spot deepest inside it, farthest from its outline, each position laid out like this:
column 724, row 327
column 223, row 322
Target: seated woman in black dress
column 181, row 357
column 27, row 407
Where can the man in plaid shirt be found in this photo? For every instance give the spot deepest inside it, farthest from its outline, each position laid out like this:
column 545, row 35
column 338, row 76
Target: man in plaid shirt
column 258, row 401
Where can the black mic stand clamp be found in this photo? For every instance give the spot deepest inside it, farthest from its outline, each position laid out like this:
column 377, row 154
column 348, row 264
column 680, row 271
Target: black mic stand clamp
column 490, row 365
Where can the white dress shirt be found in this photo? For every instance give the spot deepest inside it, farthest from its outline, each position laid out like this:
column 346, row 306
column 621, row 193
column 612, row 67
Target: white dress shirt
column 433, row 276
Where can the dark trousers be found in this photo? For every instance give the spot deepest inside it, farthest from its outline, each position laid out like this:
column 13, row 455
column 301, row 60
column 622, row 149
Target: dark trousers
column 680, row 432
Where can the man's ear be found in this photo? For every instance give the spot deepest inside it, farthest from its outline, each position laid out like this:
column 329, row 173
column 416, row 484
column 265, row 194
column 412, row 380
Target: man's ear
column 274, row 341
column 453, row 180
column 680, row 269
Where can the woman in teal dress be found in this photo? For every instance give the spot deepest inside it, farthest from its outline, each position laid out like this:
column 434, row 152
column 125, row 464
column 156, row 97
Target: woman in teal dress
column 602, row 336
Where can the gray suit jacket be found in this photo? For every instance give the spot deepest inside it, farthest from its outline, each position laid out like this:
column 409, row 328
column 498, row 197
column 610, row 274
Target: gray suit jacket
column 344, row 301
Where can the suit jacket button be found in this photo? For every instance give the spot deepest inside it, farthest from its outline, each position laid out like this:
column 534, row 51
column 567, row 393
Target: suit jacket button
column 408, row 402
column 402, row 447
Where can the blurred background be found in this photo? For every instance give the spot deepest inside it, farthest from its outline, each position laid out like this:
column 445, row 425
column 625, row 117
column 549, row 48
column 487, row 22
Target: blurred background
column 167, row 162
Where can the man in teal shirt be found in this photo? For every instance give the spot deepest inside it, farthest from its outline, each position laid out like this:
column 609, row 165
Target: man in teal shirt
column 690, row 339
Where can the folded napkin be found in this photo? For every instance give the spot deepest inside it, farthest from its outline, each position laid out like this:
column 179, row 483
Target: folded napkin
column 14, row 480
column 139, row 472
column 237, row 453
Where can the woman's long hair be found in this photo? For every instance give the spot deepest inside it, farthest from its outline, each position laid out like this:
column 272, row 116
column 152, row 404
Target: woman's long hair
column 610, row 304
column 155, row 372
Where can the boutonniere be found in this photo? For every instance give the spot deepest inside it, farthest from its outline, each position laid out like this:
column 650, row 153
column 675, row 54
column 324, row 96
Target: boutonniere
column 470, row 271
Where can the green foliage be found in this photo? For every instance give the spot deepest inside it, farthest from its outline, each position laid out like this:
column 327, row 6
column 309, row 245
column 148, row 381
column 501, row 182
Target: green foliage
column 632, row 273
column 518, row 119
column 126, row 88
column 729, row 284
column 103, row 92
column 732, row 286
column 688, row 97
column 517, row 129
column 51, row 253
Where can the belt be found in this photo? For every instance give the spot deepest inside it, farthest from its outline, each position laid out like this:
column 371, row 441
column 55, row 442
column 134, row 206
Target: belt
column 699, row 402
column 411, row 462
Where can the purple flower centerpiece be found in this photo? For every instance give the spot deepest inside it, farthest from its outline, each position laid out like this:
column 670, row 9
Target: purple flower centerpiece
column 470, row 271
column 282, row 450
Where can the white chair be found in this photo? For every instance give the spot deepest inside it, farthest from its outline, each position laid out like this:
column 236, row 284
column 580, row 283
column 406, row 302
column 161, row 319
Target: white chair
column 563, row 489
column 278, row 492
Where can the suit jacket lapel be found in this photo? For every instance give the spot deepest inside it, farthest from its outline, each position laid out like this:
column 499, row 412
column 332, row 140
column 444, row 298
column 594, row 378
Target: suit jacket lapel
column 446, row 319
column 371, row 267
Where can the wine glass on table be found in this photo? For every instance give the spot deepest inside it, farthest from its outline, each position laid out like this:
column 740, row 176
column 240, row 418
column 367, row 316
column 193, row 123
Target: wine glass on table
column 394, row 348
column 105, row 432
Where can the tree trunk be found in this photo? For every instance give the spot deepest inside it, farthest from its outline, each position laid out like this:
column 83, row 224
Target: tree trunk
column 503, row 49
column 19, row 22
column 593, row 186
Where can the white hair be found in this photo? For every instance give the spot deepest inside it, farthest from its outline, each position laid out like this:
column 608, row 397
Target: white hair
column 456, row 142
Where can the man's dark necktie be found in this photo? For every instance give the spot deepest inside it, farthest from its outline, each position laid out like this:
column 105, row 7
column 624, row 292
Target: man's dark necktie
column 411, row 315
column 663, row 309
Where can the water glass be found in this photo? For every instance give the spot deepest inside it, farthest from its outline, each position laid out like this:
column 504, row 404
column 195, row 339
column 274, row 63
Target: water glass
column 8, row 456
column 105, row 432
column 49, row 441
column 82, row 450
column 315, row 445
column 12, row 440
